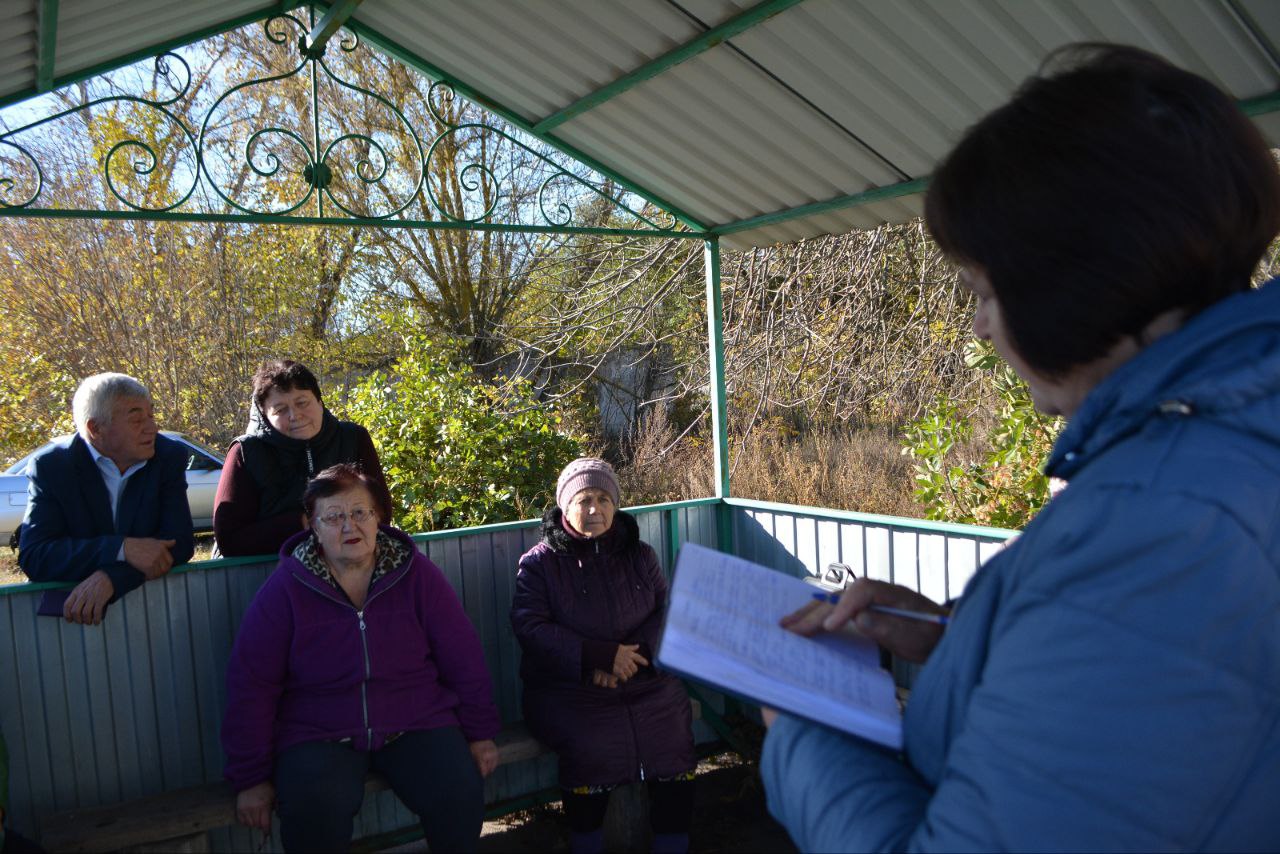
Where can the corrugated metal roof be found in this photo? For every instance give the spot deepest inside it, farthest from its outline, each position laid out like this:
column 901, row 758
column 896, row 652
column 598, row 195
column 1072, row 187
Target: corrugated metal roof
column 822, row 101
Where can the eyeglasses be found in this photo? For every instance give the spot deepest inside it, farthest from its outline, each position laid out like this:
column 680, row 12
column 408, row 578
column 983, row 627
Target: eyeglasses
column 359, row 516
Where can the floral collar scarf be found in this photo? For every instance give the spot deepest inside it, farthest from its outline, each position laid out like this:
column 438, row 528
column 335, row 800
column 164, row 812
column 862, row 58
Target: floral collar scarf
column 389, row 553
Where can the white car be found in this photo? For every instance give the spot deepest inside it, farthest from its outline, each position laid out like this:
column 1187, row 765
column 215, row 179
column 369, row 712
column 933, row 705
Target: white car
column 204, row 467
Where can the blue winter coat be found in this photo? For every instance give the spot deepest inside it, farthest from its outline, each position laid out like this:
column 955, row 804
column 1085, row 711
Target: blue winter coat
column 1111, row 680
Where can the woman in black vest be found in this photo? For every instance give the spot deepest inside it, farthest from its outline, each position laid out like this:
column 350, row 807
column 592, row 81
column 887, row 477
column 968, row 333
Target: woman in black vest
column 291, row 436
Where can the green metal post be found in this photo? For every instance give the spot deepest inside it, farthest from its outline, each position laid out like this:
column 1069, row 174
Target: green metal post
column 47, row 45
column 719, row 426
column 673, row 535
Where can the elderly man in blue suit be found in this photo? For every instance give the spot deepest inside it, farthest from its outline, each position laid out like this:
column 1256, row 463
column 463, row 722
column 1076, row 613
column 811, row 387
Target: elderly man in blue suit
column 108, row 508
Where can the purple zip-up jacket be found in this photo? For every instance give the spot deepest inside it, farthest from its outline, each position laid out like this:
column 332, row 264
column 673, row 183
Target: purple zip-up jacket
column 307, row 666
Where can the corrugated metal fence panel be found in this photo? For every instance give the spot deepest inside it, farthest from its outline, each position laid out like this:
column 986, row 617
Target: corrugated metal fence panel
column 131, row 708
column 134, row 707
column 937, row 560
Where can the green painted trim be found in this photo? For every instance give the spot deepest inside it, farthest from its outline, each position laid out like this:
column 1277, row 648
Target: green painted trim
column 673, row 505
column 672, row 520
column 711, row 38
column 715, row 342
column 334, row 19
column 34, row 587
column 285, row 219
column 901, row 522
column 499, row 527
column 398, row 51
column 46, row 44
column 878, row 194
column 197, row 565
column 452, row 533
column 224, row 562
column 264, row 11
column 1261, row 105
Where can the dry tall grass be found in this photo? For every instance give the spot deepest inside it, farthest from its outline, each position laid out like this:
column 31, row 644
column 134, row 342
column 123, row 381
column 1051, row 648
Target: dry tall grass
column 845, row 469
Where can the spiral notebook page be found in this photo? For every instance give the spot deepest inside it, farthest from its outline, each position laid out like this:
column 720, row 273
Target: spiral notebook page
column 722, row 629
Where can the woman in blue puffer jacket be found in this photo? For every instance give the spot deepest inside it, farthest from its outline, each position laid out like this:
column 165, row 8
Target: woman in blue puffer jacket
column 1111, row 680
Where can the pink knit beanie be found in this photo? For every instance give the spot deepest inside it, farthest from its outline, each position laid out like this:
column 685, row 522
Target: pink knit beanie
column 585, row 473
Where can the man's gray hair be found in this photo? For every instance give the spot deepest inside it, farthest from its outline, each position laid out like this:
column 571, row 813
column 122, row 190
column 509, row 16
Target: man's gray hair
column 96, row 398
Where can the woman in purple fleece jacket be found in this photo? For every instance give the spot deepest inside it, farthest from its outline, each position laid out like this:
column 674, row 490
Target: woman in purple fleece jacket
column 356, row 655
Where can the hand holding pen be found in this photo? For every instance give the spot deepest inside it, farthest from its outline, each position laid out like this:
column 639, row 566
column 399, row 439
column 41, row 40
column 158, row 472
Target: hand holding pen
column 901, row 620
column 923, row 616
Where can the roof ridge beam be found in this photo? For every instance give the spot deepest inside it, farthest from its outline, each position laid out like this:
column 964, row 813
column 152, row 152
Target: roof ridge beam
column 46, row 44
column 333, row 19
column 711, row 38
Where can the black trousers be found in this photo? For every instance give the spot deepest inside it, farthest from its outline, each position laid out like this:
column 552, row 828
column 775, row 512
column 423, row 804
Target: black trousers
column 15, row 844
column 670, row 807
column 320, row 784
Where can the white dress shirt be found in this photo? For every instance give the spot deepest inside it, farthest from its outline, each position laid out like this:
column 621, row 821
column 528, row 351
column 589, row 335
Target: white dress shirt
column 114, row 480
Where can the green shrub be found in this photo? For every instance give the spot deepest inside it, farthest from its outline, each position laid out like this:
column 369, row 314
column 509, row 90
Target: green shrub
column 1007, row 486
column 458, row 451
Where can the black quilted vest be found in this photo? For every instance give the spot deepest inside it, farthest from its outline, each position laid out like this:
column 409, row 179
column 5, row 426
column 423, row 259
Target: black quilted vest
column 281, row 465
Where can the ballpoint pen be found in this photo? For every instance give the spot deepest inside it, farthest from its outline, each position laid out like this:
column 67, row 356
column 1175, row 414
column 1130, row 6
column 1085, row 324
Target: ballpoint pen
column 939, row 619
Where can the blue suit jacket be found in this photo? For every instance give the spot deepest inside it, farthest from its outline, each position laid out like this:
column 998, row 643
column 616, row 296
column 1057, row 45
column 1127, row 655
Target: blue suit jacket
column 68, row 533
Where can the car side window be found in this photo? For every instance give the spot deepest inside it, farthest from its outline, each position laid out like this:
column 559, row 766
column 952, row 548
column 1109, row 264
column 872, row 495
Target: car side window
column 197, row 461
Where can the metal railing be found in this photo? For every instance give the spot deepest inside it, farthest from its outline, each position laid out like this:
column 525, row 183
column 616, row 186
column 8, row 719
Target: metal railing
column 98, row 715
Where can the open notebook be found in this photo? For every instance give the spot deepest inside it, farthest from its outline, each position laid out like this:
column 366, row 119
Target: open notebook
column 722, row 630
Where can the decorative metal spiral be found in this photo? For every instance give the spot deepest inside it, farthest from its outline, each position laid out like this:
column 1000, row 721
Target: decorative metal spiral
column 363, row 164
column 8, row 184
column 133, row 161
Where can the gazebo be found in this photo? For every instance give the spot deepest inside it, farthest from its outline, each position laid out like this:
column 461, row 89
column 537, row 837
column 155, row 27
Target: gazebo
column 748, row 124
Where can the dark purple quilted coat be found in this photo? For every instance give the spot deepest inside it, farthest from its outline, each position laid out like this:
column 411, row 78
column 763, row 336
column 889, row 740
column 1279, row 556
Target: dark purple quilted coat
column 575, row 602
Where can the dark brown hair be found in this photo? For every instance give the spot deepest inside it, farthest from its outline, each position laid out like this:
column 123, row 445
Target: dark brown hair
column 285, row 375
column 340, row 478
column 1114, row 187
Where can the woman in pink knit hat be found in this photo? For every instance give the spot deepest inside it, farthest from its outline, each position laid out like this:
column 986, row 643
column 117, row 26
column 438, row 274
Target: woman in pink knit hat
column 588, row 610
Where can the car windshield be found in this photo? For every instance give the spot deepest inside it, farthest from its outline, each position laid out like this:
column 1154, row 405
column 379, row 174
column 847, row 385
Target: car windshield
column 217, row 457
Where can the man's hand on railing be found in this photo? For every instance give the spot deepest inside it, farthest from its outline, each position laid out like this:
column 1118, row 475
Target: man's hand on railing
column 149, row 556
column 88, row 601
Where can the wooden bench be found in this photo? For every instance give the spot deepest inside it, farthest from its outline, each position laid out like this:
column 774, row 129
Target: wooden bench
column 177, row 821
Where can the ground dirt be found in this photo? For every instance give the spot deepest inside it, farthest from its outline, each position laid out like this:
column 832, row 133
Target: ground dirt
column 729, row 815
column 9, row 572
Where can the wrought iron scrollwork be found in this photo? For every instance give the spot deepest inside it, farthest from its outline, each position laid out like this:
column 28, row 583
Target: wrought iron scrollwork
column 278, row 169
